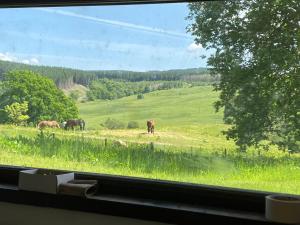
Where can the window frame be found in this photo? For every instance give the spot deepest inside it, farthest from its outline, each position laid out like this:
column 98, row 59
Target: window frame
column 148, row 199
column 53, row 3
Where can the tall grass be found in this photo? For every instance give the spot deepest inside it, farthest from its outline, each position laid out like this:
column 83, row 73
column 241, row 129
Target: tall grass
column 267, row 171
column 136, row 157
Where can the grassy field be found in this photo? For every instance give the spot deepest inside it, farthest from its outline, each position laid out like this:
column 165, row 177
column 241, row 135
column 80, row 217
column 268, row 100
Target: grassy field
column 184, row 117
column 175, row 109
column 188, row 145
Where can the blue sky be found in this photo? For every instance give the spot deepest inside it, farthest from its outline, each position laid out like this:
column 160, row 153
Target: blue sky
column 132, row 37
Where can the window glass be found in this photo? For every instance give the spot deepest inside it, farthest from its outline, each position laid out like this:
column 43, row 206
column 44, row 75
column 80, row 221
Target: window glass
column 203, row 92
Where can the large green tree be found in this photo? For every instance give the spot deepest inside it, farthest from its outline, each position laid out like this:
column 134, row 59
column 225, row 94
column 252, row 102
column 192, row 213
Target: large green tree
column 256, row 45
column 45, row 100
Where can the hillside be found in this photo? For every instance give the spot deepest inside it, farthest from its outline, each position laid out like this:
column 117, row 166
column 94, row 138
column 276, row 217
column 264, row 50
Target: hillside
column 66, row 77
column 183, row 116
column 80, row 90
column 184, row 106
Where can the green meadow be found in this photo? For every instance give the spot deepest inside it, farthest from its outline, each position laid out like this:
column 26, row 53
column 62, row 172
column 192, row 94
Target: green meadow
column 188, row 144
column 183, row 117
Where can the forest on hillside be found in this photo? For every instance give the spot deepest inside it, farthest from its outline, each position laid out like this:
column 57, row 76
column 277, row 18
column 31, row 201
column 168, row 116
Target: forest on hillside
column 66, row 77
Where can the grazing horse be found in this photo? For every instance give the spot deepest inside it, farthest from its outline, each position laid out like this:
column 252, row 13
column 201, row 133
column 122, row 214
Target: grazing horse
column 150, row 126
column 45, row 123
column 73, row 123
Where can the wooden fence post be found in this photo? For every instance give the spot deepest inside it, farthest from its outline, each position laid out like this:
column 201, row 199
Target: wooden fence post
column 151, row 146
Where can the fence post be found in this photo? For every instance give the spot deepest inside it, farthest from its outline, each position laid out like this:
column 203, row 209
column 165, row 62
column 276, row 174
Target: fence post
column 225, row 152
column 105, row 142
column 151, row 146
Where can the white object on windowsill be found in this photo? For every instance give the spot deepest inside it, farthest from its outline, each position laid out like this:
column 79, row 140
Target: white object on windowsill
column 283, row 209
column 41, row 180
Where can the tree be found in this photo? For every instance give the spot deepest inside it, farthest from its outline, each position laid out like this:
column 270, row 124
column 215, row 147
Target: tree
column 17, row 113
column 140, row 96
column 257, row 53
column 74, row 95
column 45, row 100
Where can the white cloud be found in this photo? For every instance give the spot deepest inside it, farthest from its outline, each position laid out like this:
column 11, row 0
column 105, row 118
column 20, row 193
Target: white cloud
column 7, row 57
column 34, row 61
column 13, row 58
column 194, row 47
column 137, row 27
column 25, row 61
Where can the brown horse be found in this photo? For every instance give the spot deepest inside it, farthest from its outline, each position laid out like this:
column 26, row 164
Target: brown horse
column 45, row 123
column 150, row 126
column 75, row 122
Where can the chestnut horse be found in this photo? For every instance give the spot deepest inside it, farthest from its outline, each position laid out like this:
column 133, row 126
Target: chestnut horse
column 150, row 126
column 45, row 123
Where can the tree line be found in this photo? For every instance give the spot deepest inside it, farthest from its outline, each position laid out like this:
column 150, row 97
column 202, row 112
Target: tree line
column 114, row 89
column 65, row 77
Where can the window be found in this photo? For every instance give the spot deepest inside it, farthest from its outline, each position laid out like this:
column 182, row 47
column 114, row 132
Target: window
column 133, row 90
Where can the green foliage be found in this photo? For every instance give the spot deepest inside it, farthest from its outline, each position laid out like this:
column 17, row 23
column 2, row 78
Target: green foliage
column 17, row 113
column 74, row 95
column 45, row 100
column 113, row 89
column 140, row 96
column 133, row 125
column 113, row 124
column 256, row 53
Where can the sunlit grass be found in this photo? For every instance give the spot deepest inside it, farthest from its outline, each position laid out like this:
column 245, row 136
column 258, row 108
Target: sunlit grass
column 275, row 171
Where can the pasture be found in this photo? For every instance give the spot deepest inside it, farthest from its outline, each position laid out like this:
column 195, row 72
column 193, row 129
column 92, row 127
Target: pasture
column 187, row 146
column 183, row 117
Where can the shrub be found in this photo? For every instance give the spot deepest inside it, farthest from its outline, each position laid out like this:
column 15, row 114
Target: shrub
column 140, row 96
column 75, row 95
column 17, row 113
column 113, row 124
column 133, row 125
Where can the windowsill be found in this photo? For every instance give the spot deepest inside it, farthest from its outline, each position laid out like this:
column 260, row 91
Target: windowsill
column 160, row 201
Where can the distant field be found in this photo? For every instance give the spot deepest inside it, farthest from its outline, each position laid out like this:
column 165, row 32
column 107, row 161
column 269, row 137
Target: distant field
column 171, row 109
column 184, row 117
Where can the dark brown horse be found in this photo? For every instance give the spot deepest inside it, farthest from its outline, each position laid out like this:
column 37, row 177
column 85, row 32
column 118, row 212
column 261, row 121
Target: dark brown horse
column 150, row 126
column 75, row 122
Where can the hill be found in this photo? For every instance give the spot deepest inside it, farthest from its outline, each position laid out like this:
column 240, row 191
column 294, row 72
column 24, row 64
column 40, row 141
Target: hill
column 183, row 106
column 183, row 116
column 78, row 89
column 66, row 77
